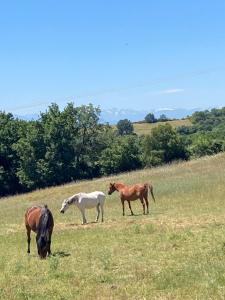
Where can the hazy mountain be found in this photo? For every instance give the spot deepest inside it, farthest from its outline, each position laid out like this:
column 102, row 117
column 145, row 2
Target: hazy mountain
column 113, row 115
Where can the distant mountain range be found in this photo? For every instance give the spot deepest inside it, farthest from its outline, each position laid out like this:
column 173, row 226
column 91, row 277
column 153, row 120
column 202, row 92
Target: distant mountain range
column 113, row 115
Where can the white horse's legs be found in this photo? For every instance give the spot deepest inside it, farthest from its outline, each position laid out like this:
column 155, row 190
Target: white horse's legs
column 98, row 212
column 102, row 210
column 83, row 216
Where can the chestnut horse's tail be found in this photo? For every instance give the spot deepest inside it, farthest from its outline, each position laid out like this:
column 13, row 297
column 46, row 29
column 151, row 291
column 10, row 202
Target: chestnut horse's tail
column 150, row 187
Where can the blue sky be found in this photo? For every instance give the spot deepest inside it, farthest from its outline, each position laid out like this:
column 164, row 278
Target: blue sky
column 125, row 54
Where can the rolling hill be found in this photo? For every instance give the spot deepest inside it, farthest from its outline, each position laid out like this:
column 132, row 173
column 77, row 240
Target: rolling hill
column 175, row 252
column 145, row 128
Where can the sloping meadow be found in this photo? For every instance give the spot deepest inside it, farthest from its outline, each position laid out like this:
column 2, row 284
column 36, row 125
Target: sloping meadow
column 175, row 252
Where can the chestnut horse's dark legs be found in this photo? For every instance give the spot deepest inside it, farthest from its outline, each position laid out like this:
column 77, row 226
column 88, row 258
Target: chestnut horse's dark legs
column 130, row 208
column 143, row 204
column 28, row 238
column 122, row 201
column 146, row 202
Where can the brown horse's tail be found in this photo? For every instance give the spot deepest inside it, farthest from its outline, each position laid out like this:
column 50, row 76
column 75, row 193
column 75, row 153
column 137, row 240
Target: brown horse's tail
column 151, row 191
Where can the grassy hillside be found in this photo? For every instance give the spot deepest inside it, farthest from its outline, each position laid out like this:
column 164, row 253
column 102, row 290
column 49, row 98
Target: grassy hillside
column 145, row 128
column 175, row 252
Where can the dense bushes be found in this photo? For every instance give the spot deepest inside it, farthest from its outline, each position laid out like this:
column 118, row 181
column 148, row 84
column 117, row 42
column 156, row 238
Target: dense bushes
column 71, row 144
column 123, row 154
column 162, row 146
column 206, row 136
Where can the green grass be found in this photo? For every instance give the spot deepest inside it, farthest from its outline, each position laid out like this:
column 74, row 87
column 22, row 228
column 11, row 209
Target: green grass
column 175, row 252
column 145, row 128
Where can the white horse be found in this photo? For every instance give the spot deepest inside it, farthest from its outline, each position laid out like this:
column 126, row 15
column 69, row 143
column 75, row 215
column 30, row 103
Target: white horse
column 83, row 200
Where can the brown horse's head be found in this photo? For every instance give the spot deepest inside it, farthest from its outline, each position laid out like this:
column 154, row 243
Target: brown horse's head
column 112, row 188
column 42, row 245
column 43, row 234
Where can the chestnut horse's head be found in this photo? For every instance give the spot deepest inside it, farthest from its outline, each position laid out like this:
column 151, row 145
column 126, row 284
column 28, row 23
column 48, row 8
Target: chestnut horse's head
column 112, row 188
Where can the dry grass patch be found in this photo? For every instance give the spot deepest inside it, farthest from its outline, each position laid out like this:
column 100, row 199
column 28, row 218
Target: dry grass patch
column 145, row 128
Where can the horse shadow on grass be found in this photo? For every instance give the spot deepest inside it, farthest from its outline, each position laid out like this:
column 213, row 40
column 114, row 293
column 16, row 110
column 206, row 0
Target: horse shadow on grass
column 82, row 225
column 150, row 214
column 60, row 254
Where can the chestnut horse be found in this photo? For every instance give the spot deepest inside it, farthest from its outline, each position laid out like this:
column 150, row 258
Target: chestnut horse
column 40, row 220
column 131, row 193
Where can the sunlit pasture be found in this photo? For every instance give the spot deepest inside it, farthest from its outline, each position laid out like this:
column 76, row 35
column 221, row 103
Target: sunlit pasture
column 175, row 252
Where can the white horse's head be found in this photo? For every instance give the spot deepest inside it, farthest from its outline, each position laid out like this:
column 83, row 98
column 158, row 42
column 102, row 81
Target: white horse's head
column 67, row 202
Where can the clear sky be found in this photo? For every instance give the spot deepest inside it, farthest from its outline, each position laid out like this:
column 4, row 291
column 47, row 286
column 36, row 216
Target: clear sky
column 144, row 54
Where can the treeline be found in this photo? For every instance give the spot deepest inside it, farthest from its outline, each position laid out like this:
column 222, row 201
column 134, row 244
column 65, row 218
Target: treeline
column 207, row 134
column 69, row 145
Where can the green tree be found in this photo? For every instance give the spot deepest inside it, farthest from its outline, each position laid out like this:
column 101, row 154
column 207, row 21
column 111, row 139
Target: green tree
column 9, row 135
column 61, row 146
column 163, row 118
column 125, row 127
column 205, row 145
column 150, row 118
column 163, row 145
column 123, row 154
column 31, row 150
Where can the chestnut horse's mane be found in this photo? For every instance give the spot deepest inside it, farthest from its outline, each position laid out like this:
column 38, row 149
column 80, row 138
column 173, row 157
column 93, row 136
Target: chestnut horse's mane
column 119, row 185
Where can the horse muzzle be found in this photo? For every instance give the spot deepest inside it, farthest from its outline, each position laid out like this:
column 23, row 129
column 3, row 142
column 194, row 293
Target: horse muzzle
column 62, row 211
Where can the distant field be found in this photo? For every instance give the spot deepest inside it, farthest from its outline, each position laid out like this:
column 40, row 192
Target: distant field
column 145, row 128
column 175, row 252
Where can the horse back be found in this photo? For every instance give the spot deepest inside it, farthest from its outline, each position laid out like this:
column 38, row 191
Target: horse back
column 135, row 192
column 32, row 217
column 90, row 200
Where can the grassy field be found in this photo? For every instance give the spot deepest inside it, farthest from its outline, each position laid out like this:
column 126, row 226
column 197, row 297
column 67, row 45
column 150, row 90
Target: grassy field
column 145, row 128
column 175, row 252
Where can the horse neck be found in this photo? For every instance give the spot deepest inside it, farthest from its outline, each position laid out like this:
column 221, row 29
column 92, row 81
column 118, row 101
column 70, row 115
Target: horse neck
column 44, row 222
column 119, row 186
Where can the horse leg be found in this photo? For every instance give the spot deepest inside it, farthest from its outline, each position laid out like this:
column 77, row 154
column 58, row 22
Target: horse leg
column 102, row 210
column 37, row 237
column 143, row 204
column 83, row 216
column 49, row 243
column 122, row 201
column 146, row 202
column 98, row 212
column 28, row 238
column 130, row 208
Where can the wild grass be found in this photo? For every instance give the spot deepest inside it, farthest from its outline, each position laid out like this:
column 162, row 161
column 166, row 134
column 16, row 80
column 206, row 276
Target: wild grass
column 175, row 252
column 145, row 128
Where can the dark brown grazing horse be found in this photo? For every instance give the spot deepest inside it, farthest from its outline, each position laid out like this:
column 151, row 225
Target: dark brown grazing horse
column 131, row 193
column 40, row 220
